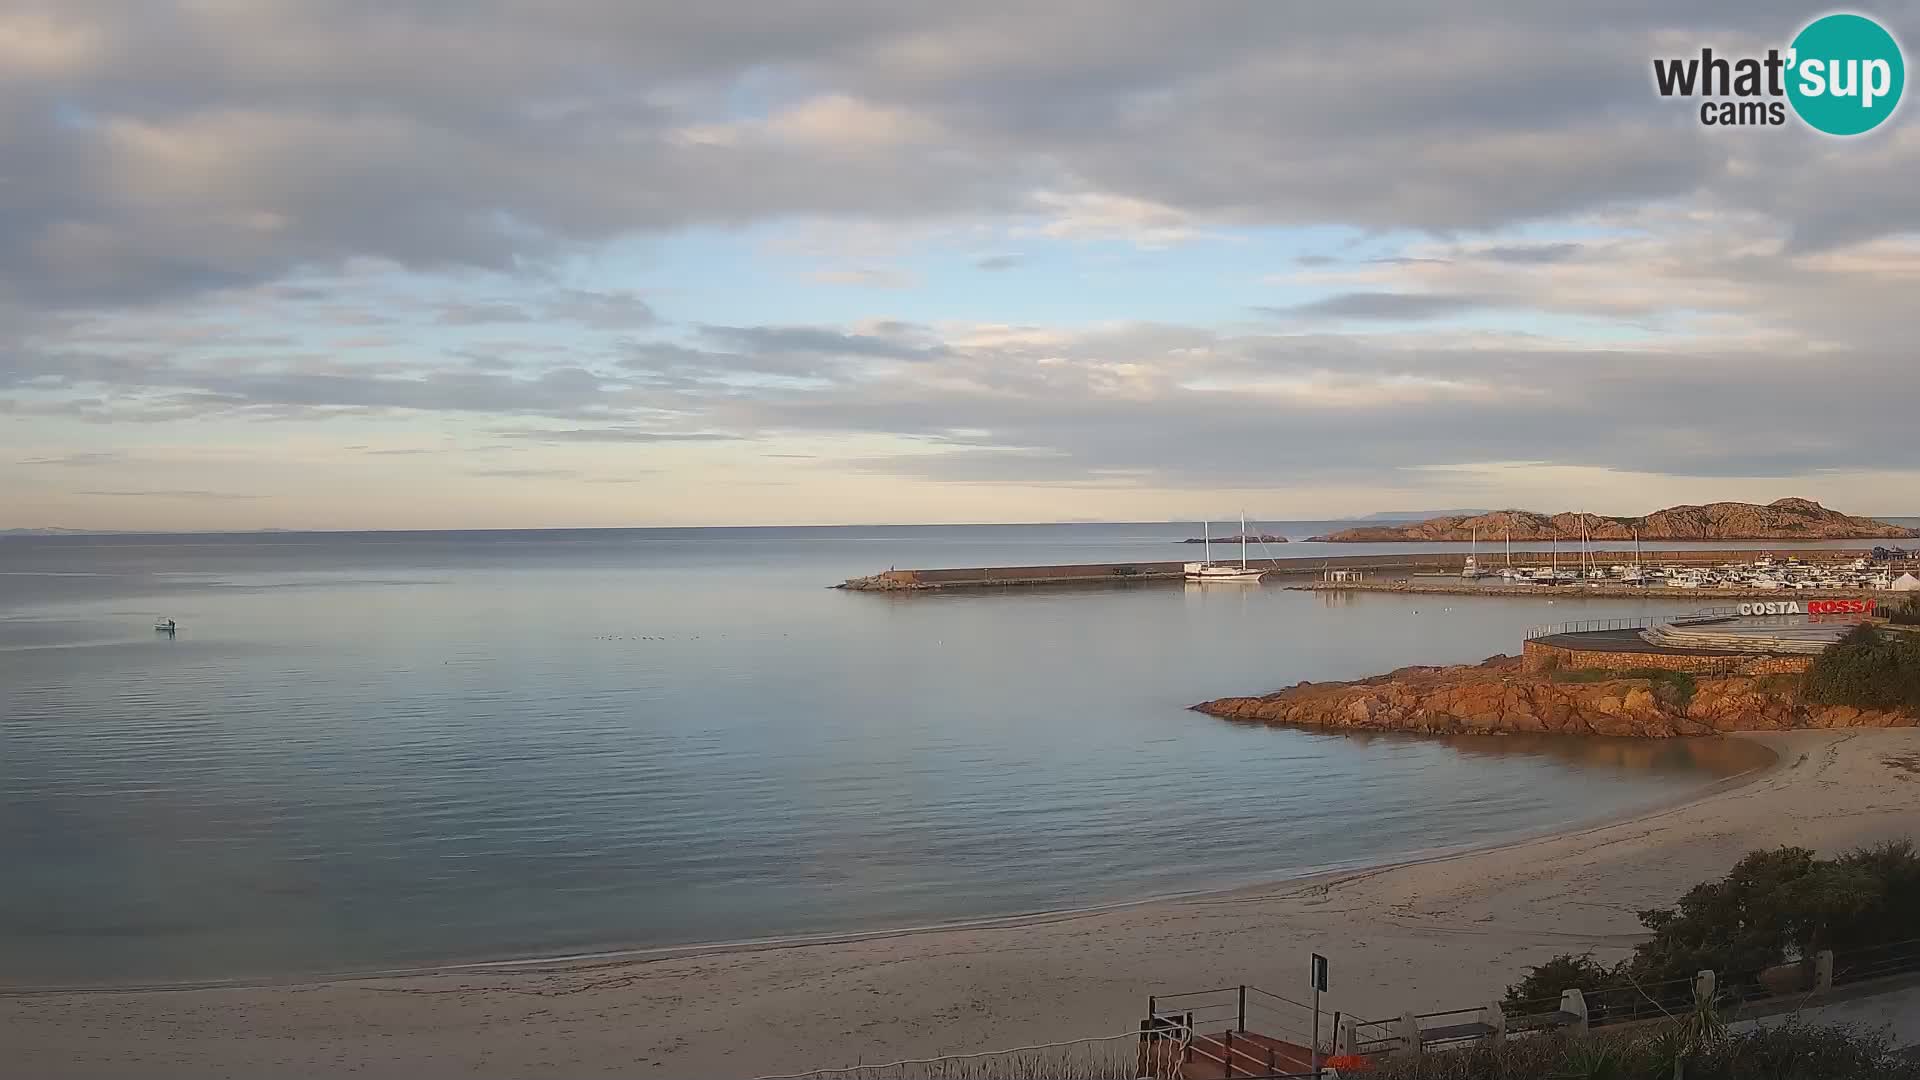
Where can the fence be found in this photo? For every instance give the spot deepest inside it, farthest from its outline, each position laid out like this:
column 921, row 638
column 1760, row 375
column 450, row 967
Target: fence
column 1778, row 989
column 1239, row 1032
column 1641, row 622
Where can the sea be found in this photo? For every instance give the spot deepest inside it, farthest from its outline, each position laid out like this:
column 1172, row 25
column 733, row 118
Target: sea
column 388, row 750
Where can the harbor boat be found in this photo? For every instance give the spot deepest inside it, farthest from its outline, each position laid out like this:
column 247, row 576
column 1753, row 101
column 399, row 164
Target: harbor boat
column 1208, row 570
column 1472, row 569
column 165, row 626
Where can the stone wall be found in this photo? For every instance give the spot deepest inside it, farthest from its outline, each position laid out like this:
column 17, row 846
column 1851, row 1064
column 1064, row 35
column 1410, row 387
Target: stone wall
column 1540, row 656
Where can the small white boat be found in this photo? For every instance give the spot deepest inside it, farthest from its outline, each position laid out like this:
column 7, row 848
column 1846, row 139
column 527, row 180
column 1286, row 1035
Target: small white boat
column 1208, row 570
column 165, row 626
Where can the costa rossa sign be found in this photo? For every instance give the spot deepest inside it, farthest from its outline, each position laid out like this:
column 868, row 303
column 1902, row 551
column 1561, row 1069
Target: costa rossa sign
column 1813, row 607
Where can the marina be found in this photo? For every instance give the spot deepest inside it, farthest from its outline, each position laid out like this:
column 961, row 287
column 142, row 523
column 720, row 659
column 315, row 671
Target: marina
column 1810, row 573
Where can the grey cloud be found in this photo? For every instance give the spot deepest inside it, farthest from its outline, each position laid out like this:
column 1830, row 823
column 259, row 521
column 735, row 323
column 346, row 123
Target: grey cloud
column 172, row 494
column 1531, row 253
column 523, row 474
column 480, row 314
column 998, row 262
column 555, row 131
column 1384, row 306
column 822, row 341
column 615, row 435
column 85, row 459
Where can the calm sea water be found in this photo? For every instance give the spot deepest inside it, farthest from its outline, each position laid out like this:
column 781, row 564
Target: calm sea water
column 374, row 750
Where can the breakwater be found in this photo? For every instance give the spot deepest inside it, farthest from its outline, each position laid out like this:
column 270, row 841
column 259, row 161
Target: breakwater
column 1371, row 568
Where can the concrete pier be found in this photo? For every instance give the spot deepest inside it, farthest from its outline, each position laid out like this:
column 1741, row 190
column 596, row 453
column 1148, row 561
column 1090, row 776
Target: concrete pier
column 1373, row 568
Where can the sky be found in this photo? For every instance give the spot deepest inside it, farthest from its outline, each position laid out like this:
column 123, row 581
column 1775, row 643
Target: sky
column 487, row 263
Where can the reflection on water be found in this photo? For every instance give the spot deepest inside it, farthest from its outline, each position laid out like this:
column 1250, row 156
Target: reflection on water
column 1717, row 756
column 367, row 751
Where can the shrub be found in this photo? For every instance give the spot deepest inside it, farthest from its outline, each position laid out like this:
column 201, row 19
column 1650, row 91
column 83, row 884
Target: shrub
column 1673, row 687
column 1546, row 982
column 1867, row 669
column 1772, row 907
column 1791, row 1051
column 1907, row 612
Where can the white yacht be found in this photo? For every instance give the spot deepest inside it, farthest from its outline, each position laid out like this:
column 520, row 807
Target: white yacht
column 1472, row 568
column 1208, row 570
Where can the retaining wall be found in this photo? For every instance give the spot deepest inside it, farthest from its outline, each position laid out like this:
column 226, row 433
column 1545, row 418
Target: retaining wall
column 1539, row 656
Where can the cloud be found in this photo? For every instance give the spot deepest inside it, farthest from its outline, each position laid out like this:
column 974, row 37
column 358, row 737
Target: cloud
column 823, row 341
column 866, row 277
column 999, row 262
column 523, row 474
column 1531, row 254
column 615, row 435
column 83, row 459
column 1384, row 306
column 213, row 496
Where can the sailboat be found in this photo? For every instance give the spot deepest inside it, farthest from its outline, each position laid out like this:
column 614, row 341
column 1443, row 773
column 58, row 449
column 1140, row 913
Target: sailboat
column 1471, row 569
column 1208, row 570
column 1633, row 575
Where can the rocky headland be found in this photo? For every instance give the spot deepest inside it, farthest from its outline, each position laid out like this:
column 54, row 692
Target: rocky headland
column 1782, row 519
column 1500, row 696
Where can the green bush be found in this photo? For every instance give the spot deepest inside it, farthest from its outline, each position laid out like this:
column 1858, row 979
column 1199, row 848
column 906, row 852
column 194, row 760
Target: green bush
column 1772, row 907
column 1907, row 612
column 1673, row 687
column 1867, row 669
column 1548, row 981
column 1787, row 1052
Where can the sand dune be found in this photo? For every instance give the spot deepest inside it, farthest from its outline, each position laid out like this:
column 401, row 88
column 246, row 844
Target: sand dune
column 1446, row 932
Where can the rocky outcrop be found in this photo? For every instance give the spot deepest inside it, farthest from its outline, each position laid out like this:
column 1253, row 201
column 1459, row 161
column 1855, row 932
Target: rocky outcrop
column 1252, row 538
column 1782, row 519
column 1499, row 696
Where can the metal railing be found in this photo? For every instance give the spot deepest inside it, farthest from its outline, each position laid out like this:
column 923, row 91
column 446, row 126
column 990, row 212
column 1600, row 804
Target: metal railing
column 1233, row 1028
column 1641, row 622
column 1876, row 961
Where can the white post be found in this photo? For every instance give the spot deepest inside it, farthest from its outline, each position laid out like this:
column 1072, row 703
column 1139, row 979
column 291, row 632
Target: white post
column 1703, row 985
column 1823, row 971
column 1495, row 1017
column 1574, row 1002
column 1410, row 1035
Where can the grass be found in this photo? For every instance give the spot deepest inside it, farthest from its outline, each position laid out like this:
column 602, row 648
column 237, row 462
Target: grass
column 1673, row 687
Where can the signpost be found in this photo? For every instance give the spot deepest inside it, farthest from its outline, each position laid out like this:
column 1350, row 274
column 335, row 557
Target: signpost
column 1319, row 987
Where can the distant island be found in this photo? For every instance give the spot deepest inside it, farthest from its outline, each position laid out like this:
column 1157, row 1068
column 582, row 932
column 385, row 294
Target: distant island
column 1252, row 538
column 1782, row 519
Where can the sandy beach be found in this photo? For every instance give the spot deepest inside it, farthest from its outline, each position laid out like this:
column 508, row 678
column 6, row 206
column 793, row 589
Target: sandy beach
column 1440, row 933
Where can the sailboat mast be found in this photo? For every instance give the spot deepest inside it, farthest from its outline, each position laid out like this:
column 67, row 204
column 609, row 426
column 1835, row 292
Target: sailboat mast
column 1206, row 543
column 1243, row 539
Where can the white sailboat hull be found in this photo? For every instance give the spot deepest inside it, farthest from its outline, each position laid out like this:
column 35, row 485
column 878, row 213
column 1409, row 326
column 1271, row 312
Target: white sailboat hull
column 1219, row 572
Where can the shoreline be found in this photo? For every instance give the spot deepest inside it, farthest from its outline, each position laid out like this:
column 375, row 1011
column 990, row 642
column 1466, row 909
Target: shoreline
column 634, row 955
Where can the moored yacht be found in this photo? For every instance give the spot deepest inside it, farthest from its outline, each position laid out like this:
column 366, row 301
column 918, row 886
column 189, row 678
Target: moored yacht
column 1208, row 570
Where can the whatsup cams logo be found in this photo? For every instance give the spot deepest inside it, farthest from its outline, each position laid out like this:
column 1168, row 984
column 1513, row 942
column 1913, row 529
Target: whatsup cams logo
column 1842, row 74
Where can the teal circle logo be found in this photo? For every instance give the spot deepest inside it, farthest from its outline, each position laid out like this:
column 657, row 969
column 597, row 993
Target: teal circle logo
column 1846, row 74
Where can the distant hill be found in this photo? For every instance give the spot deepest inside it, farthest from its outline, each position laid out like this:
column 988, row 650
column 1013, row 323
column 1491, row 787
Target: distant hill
column 1783, row 519
column 1416, row 515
